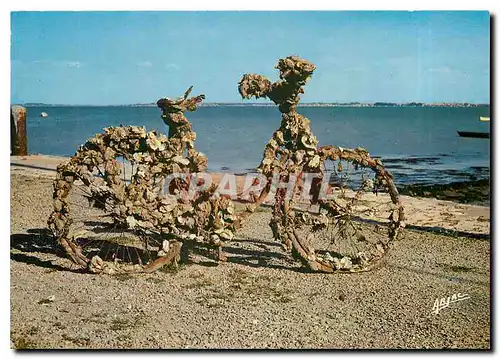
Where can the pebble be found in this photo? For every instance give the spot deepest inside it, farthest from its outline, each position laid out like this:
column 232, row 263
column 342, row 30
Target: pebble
column 169, row 309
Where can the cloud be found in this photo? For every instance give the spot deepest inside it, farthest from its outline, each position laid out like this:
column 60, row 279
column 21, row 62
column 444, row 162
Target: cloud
column 73, row 63
column 59, row 63
column 400, row 60
column 144, row 64
column 172, row 66
column 440, row 70
column 356, row 69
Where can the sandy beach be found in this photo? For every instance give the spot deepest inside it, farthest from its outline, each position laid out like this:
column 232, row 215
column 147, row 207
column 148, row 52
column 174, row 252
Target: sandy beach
column 261, row 297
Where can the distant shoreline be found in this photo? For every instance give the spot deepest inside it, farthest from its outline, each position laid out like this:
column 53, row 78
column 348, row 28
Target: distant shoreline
column 256, row 104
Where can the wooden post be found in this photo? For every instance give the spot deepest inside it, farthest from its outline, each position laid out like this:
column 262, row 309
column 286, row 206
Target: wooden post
column 18, row 135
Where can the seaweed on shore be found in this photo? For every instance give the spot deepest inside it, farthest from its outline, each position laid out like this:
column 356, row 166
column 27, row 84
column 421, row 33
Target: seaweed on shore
column 469, row 192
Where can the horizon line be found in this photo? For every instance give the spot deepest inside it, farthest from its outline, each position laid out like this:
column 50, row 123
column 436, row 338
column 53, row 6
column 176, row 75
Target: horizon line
column 267, row 104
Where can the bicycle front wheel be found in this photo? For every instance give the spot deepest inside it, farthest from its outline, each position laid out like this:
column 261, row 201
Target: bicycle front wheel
column 354, row 214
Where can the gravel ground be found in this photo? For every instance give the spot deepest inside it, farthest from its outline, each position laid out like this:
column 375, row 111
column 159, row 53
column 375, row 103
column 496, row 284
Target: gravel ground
column 261, row 298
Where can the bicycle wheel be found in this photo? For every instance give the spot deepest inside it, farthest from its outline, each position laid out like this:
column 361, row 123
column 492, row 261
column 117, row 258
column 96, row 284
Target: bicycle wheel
column 111, row 213
column 354, row 214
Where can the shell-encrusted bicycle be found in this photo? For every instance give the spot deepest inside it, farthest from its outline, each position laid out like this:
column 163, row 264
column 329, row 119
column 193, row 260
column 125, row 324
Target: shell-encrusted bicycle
column 125, row 201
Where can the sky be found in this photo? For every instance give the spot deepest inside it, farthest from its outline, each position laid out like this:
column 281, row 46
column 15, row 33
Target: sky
column 111, row 58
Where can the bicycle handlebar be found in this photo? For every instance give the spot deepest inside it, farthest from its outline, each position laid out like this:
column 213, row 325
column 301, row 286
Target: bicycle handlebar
column 181, row 104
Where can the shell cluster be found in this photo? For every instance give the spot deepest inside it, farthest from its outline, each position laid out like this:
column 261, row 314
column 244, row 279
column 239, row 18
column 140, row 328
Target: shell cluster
column 140, row 204
column 293, row 149
column 145, row 203
column 293, row 146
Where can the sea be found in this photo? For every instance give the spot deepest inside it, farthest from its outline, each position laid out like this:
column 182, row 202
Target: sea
column 419, row 145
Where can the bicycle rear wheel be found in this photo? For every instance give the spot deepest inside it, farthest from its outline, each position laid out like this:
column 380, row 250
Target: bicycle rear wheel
column 110, row 212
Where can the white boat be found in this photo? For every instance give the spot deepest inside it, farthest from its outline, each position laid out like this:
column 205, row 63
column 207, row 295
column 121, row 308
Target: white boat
column 484, row 119
column 44, row 114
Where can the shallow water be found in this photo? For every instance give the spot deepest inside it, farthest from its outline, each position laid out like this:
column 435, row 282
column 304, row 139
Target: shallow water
column 418, row 144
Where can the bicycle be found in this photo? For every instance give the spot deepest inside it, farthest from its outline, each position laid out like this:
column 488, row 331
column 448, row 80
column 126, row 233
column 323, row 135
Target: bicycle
column 109, row 222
